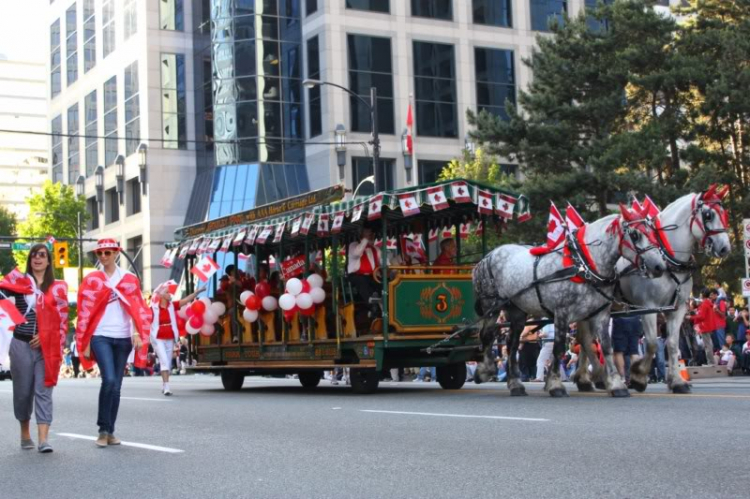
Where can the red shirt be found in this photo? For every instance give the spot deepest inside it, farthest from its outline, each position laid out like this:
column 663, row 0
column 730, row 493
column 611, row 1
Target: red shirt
column 443, row 260
column 705, row 317
column 165, row 325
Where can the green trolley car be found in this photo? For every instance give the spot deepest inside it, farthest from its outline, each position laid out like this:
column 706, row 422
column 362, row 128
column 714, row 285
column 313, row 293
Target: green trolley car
column 419, row 305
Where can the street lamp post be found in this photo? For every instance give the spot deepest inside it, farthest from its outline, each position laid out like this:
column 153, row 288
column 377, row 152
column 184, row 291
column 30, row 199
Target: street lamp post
column 99, row 178
column 80, row 192
column 372, row 106
column 142, row 172
column 120, row 176
column 341, row 149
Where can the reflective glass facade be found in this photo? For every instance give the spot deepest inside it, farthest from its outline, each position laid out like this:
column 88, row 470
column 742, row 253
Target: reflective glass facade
column 434, row 9
column 256, row 68
column 57, row 149
column 496, row 80
column 435, row 85
column 542, row 12
column 370, row 65
column 110, row 121
column 74, row 161
column 173, row 101
column 129, row 18
column 362, row 168
column 92, row 143
column 371, row 5
column 314, row 102
column 171, row 15
column 108, row 27
column 429, row 171
column 89, row 35
column 71, row 45
column 132, row 109
column 55, row 82
column 493, row 12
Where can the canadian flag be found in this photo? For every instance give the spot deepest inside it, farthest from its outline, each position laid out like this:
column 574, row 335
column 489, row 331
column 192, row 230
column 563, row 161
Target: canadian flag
column 306, row 224
column 504, row 205
column 555, row 233
column 252, row 235
column 264, row 234
column 357, row 213
column 51, row 240
column 447, row 232
column 460, row 192
column 184, row 251
column 573, row 219
column 464, row 230
column 484, row 202
column 411, row 246
column 409, row 204
column 409, row 128
column 433, row 235
column 279, row 232
column 375, row 207
column 480, row 229
column 168, row 259
column 215, row 243
column 338, row 222
column 240, row 237
column 203, row 247
column 10, row 317
column 436, row 197
column 524, row 210
column 205, row 268
column 226, row 243
column 323, row 224
column 296, row 225
column 194, row 246
column 651, row 209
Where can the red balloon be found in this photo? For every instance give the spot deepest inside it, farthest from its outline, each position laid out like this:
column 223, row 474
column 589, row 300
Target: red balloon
column 308, row 312
column 253, row 303
column 289, row 315
column 306, row 286
column 189, row 312
column 196, row 321
column 262, row 289
column 198, row 307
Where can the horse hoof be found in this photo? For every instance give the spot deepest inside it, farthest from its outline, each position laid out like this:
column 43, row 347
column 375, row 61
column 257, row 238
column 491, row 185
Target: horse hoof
column 585, row 387
column 477, row 380
column 681, row 389
column 620, row 393
column 637, row 385
column 518, row 392
column 558, row 393
column 600, row 385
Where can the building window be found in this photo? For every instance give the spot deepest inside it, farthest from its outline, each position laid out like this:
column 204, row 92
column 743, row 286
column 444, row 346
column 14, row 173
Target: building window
column 89, row 35
column 510, row 170
column 311, row 7
column 108, row 27
column 362, row 168
column 133, row 191
column 371, row 5
column 135, row 250
column 435, row 84
column 55, row 81
column 493, row 13
column 173, row 107
column 171, row 15
column 110, row 121
column 74, row 161
column 92, row 132
column 111, row 206
column 429, row 171
column 496, row 80
column 313, row 95
column 543, row 11
column 93, row 209
column 370, row 66
column 435, row 9
column 596, row 25
column 132, row 109
column 57, row 149
column 71, row 45
column 129, row 19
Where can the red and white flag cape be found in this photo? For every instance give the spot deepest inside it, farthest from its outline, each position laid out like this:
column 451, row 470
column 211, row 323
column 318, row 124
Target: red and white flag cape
column 436, row 197
column 484, row 202
column 10, row 317
column 460, row 192
column 409, row 204
column 205, row 268
column 375, row 207
column 505, row 205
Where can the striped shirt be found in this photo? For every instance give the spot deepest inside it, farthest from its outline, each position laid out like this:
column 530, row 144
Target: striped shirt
column 25, row 331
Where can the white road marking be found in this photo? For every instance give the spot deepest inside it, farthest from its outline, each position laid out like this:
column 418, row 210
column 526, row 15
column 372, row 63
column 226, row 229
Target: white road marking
column 6, row 391
column 146, row 399
column 127, row 444
column 470, row 416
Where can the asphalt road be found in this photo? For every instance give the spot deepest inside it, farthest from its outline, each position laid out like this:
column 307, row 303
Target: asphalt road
column 274, row 439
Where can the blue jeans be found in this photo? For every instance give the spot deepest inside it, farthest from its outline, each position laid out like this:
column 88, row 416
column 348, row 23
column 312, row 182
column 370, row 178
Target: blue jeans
column 423, row 371
column 660, row 365
column 721, row 338
column 111, row 356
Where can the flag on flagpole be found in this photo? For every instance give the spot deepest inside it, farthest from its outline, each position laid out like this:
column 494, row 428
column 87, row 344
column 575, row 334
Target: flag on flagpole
column 465, row 229
column 460, row 192
column 484, row 202
column 375, row 207
column 338, row 222
column 409, row 204
column 504, row 205
column 573, row 219
column 205, row 268
column 409, row 130
column 433, row 235
column 306, row 223
column 650, row 208
column 556, row 230
column 436, row 197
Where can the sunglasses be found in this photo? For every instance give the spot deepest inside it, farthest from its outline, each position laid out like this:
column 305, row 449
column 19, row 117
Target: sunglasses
column 39, row 254
column 104, row 253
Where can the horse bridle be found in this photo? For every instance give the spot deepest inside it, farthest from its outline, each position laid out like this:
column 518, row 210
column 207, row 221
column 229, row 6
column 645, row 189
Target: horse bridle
column 634, row 233
column 704, row 208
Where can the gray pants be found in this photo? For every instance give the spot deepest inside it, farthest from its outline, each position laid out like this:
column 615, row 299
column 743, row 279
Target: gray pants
column 708, row 346
column 29, row 392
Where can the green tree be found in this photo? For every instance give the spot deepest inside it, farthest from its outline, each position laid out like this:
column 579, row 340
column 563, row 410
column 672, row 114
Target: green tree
column 53, row 212
column 7, row 228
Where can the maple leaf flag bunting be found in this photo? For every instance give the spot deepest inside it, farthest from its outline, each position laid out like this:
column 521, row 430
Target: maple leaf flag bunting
column 205, row 268
column 433, row 235
column 484, row 203
column 357, row 213
column 437, row 199
column 296, row 225
column 252, row 235
column 375, row 207
column 460, row 192
column 279, row 232
column 505, row 205
column 323, row 224
column 240, row 237
column 338, row 222
column 306, row 224
column 409, row 204
column 464, row 230
column 264, row 234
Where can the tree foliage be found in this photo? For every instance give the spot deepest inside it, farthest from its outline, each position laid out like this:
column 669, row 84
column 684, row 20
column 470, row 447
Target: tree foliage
column 641, row 103
column 7, row 228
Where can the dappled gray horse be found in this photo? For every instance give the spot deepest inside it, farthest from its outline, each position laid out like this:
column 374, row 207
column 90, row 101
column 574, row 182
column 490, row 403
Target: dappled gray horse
column 505, row 280
column 693, row 222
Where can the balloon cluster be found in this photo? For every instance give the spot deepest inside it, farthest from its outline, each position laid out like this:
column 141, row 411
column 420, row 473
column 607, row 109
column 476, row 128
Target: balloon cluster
column 302, row 296
column 255, row 301
column 201, row 316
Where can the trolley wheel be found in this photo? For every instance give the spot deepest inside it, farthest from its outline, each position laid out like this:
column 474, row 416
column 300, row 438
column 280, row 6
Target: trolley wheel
column 310, row 379
column 452, row 376
column 364, row 381
column 232, row 381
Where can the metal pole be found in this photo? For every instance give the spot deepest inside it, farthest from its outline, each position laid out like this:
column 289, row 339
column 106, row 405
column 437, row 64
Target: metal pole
column 375, row 137
column 384, row 278
column 80, row 251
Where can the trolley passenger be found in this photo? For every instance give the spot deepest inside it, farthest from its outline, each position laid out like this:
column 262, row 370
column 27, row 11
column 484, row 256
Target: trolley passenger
column 363, row 260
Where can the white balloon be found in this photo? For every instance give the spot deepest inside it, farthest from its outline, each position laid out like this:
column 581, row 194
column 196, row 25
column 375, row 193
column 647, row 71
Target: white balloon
column 206, row 300
column 210, row 317
column 219, row 308
column 190, row 329
column 287, row 301
column 250, row 315
column 245, row 295
column 304, row 301
column 315, row 280
column 182, row 313
column 207, row 329
column 294, row 286
column 269, row 303
column 318, row 295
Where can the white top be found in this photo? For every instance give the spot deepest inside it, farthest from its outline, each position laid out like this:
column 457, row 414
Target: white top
column 115, row 322
column 358, row 250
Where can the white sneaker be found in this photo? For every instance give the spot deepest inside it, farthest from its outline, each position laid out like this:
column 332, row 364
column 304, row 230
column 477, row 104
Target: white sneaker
column 165, row 390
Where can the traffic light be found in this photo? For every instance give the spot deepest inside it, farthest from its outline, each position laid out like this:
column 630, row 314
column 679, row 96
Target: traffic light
column 60, row 254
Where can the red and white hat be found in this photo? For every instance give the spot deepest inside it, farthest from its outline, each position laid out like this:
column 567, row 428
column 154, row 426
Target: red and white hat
column 107, row 244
